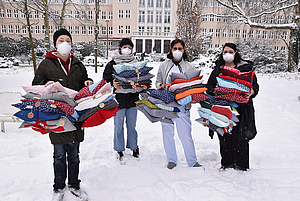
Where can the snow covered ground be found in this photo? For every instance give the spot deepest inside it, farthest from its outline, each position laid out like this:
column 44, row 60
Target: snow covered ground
column 26, row 156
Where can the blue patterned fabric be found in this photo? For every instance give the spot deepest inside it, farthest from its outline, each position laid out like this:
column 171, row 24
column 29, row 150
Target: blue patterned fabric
column 215, row 101
column 131, row 73
column 164, row 95
column 184, row 101
column 34, row 115
column 128, row 66
column 231, row 84
column 43, row 107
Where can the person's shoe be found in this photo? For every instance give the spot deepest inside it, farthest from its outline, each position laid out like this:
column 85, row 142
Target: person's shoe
column 120, row 155
column 136, row 153
column 171, row 165
column 79, row 193
column 197, row 165
column 58, row 195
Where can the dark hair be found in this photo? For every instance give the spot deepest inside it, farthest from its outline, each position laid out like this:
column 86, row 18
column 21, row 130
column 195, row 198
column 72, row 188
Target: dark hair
column 59, row 33
column 237, row 57
column 126, row 41
column 170, row 55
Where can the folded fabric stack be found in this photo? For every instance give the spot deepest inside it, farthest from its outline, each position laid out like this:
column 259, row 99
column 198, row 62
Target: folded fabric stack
column 158, row 105
column 46, row 109
column 96, row 104
column 233, row 85
column 187, row 87
column 218, row 118
column 133, row 76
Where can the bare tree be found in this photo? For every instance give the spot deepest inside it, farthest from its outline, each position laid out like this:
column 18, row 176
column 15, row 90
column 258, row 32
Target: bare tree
column 188, row 25
column 268, row 11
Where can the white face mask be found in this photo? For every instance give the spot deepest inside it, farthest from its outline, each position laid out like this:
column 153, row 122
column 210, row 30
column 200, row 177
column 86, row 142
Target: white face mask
column 126, row 51
column 177, row 54
column 228, row 57
column 64, row 48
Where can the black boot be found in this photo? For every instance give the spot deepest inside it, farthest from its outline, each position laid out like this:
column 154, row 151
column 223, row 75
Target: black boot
column 120, row 155
column 136, row 153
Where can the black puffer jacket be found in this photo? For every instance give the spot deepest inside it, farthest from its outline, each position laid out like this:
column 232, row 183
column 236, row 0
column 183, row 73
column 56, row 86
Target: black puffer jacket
column 245, row 129
column 125, row 100
column 51, row 70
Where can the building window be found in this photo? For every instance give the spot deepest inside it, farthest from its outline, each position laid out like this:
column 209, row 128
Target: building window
column 257, row 34
column 211, row 18
column 264, row 36
column 224, row 34
column 57, row 28
column 141, row 3
column 17, row 29
column 22, row 14
column 127, row 14
column 90, row 31
column 150, row 17
column 127, row 29
column 225, row 19
column 204, row 18
column 231, row 33
column 277, row 35
column 110, row 15
column 50, row 29
column 76, row 14
column 251, row 34
column 37, row 29
column 103, row 15
column 8, row 13
column 150, row 3
column 1, row 13
column 121, row 1
column 237, row 33
column 141, row 16
column 283, row 48
column 158, row 29
column 36, row 15
column 10, row 29
column 16, row 13
column 284, row 35
column 167, row 17
column 110, row 30
column 158, row 16
column 204, row 31
column 158, row 3
column 218, row 18
column 90, row 14
column 76, row 30
column 103, row 30
column 141, row 28
column 166, row 29
column 244, row 33
column 83, row 14
column 43, row 29
column 218, row 33
column 83, row 30
column 149, row 29
column 168, row 3
column 120, row 29
column 217, row 45
column 70, row 14
column 121, row 14
column 24, row 29
column 70, row 29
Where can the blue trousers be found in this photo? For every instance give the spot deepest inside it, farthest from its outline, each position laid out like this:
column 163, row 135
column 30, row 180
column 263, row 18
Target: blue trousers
column 131, row 116
column 63, row 165
column 184, row 130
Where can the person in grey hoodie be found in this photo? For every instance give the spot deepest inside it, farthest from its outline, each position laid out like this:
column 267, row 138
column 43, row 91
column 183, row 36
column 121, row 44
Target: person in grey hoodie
column 176, row 63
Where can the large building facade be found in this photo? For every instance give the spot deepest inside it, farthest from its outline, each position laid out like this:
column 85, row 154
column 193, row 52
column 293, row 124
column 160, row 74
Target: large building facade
column 151, row 24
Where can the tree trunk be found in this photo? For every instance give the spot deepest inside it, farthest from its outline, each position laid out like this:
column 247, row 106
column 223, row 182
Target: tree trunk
column 30, row 35
column 46, row 24
column 63, row 9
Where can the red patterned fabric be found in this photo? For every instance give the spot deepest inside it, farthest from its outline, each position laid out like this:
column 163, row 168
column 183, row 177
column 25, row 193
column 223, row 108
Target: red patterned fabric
column 99, row 86
column 199, row 97
column 229, row 90
column 233, row 72
column 222, row 110
column 181, row 80
column 238, row 98
column 66, row 108
column 84, row 92
column 100, row 117
column 246, row 83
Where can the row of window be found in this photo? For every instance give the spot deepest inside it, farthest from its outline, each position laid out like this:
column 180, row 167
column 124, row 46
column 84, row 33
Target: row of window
column 158, row 17
column 159, row 3
column 282, row 48
column 265, row 19
column 247, row 33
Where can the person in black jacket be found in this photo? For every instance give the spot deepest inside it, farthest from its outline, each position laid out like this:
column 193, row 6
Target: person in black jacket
column 234, row 147
column 126, row 99
column 61, row 66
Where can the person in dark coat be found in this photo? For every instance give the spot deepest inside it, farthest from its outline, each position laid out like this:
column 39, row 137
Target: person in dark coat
column 126, row 99
column 234, row 147
column 62, row 66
